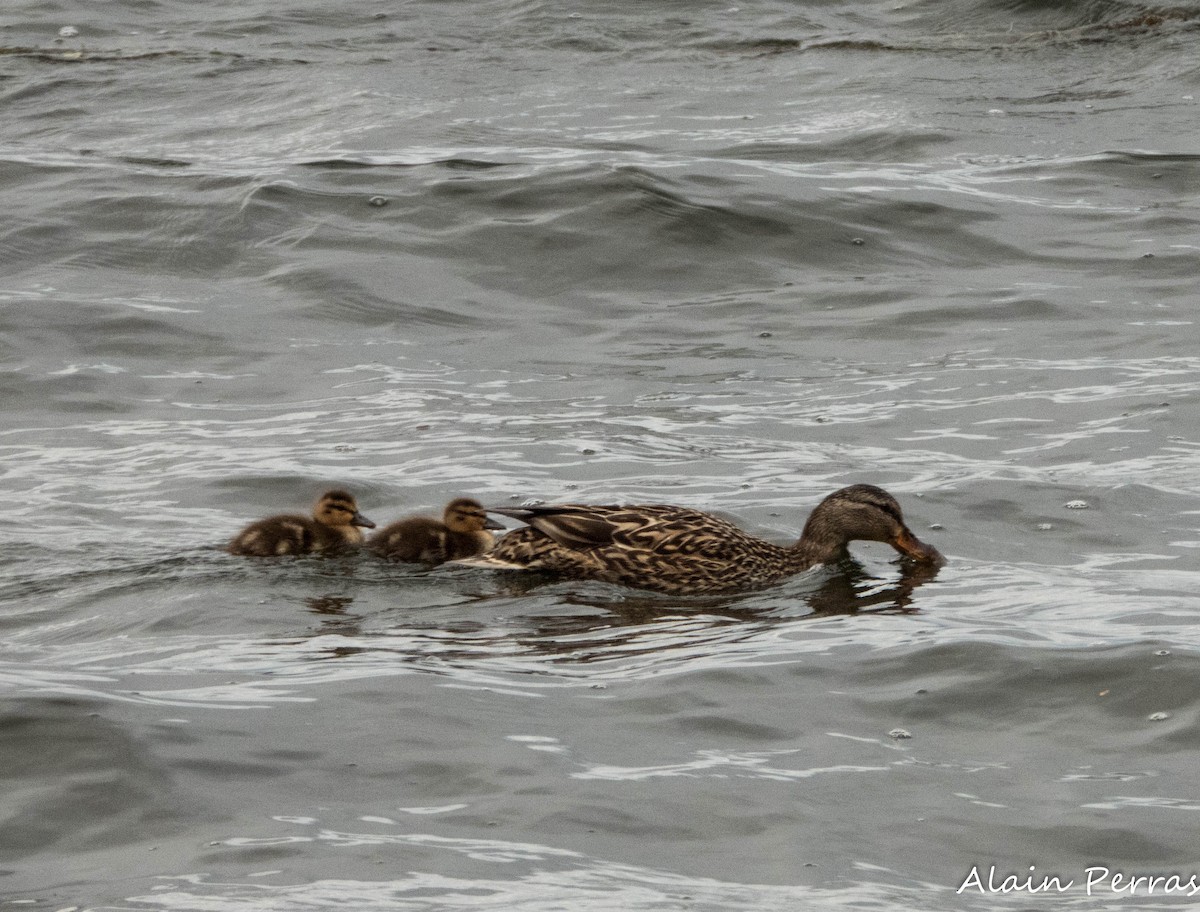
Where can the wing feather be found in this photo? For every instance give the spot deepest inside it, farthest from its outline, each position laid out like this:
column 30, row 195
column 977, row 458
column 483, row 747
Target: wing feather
column 570, row 525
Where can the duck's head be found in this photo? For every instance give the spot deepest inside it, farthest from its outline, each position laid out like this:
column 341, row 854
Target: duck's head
column 466, row 515
column 338, row 508
column 862, row 512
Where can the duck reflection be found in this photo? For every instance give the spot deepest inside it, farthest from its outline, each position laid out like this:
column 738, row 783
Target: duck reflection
column 599, row 622
column 850, row 589
column 335, row 614
column 853, row 590
column 631, row 628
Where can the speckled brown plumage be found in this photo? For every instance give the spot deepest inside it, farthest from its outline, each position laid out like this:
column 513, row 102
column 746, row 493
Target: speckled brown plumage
column 682, row 551
column 334, row 525
column 463, row 531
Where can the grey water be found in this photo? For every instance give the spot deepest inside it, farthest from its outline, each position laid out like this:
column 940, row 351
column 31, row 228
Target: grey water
column 728, row 255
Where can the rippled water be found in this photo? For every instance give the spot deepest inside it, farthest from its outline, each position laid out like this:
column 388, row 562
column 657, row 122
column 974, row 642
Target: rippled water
column 733, row 257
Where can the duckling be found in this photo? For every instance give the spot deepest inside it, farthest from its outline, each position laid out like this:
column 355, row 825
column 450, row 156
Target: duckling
column 335, row 524
column 680, row 551
column 462, row 532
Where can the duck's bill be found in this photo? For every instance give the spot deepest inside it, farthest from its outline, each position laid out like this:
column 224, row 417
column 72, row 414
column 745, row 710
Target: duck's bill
column 911, row 546
column 360, row 520
column 493, row 525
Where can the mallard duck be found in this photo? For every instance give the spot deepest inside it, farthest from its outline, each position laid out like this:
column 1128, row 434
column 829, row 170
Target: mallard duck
column 463, row 531
column 335, row 523
column 681, row 551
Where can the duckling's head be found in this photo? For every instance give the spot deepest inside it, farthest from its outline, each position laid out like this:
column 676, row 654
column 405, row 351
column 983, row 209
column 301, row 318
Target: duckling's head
column 338, row 508
column 466, row 515
column 862, row 512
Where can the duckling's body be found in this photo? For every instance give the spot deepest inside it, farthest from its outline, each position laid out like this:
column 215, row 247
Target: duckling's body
column 682, row 551
column 463, row 531
column 335, row 524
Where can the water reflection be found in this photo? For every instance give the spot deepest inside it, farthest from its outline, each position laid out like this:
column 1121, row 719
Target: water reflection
column 850, row 588
column 574, row 623
column 335, row 614
column 855, row 591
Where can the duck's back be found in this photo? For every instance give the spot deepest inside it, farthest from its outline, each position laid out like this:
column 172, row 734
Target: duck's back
column 418, row 539
column 285, row 534
column 421, row 539
column 654, row 546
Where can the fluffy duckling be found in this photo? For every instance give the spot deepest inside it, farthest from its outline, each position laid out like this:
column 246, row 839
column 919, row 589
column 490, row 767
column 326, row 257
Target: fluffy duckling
column 463, row 531
column 335, row 523
column 681, row 551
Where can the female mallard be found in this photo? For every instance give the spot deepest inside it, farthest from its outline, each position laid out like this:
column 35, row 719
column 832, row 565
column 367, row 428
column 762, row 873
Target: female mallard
column 334, row 524
column 681, row 551
column 462, row 532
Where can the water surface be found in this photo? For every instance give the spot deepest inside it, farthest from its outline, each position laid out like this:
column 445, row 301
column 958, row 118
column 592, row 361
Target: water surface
column 729, row 257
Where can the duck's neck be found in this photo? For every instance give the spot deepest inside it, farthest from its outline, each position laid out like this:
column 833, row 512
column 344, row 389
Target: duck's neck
column 822, row 541
column 810, row 551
